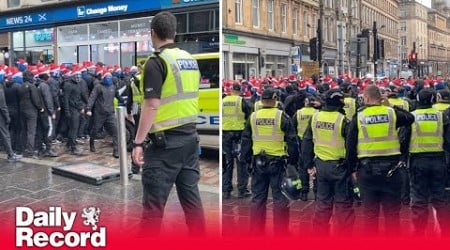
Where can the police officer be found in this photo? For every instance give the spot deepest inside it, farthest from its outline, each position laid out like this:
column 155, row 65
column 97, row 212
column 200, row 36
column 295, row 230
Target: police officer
column 30, row 105
column 101, row 103
column 73, row 107
column 325, row 139
column 350, row 104
column 168, row 117
column 430, row 137
column 442, row 100
column 266, row 135
column 373, row 143
column 235, row 112
column 397, row 98
column 300, row 122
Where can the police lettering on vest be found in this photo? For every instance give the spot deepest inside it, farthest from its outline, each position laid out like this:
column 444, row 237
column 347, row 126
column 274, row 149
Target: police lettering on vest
column 426, row 117
column 375, row 119
column 265, row 121
column 325, row 125
column 229, row 103
column 179, row 93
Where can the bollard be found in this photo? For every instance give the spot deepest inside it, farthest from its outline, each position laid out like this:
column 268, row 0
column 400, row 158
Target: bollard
column 121, row 135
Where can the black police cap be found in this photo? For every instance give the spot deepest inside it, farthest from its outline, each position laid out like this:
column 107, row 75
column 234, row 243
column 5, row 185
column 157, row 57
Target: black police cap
column 269, row 93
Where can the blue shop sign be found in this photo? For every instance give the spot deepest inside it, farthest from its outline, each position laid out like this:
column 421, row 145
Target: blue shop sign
column 93, row 10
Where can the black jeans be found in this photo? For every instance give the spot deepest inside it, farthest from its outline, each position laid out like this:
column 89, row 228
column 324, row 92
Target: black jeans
column 177, row 164
column 5, row 137
column 230, row 140
column 109, row 121
column 29, row 119
column 379, row 191
column 73, row 123
column 333, row 189
column 428, row 177
column 271, row 175
column 42, row 133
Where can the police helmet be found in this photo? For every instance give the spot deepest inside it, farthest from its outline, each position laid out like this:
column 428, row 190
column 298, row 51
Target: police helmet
column 291, row 187
column 444, row 95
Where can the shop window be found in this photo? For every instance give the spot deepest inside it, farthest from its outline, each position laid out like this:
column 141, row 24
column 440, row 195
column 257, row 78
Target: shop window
column 74, row 33
column 199, row 21
column 103, row 31
column 13, row 3
column 107, row 53
column 135, row 28
column 182, row 23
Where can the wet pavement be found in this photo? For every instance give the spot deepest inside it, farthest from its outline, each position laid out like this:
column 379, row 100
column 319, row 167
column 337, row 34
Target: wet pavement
column 236, row 214
column 31, row 183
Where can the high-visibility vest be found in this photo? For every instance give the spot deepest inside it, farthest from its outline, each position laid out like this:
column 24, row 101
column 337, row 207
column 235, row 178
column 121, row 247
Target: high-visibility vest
column 349, row 107
column 303, row 116
column 179, row 94
column 137, row 94
column 400, row 103
column 441, row 106
column 233, row 118
column 377, row 134
column 266, row 132
column 259, row 105
column 427, row 131
column 329, row 144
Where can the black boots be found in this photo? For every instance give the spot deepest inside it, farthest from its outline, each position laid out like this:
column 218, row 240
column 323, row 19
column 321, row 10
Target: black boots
column 92, row 145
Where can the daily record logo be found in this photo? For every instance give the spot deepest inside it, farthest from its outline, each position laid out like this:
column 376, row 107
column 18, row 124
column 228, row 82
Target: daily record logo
column 62, row 223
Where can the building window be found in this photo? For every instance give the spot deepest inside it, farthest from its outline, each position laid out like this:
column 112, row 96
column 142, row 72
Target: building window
column 294, row 21
column 403, row 40
column 255, row 8
column 270, row 14
column 238, row 11
column 283, row 17
column 305, row 23
column 13, row 3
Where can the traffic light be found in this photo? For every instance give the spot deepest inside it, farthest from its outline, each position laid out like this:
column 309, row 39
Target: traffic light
column 313, row 48
column 412, row 60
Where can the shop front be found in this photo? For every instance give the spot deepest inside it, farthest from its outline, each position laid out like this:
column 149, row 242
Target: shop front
column 112, row 32
column 246, row 56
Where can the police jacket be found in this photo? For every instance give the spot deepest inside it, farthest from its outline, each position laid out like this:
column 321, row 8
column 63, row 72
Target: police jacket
column 11, row 96
column 308, row 143
column 54, row 90
column 246, row 107
column 289, row 137
column 446, row 124
column 46, row 96
column 101, row 99
column 3, row 108
column 29, row 98
column 404, row 118
column 72, row 96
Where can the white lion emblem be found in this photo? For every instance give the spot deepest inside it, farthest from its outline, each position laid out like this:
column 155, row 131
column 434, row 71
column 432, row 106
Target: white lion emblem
column 91, row 214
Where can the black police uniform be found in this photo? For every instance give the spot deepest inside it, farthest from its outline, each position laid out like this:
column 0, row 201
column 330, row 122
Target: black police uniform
column 178, row 162
column 428, row 173
column 231, row 143
column 333, row 181
column 376, row 188
column 269, row 175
